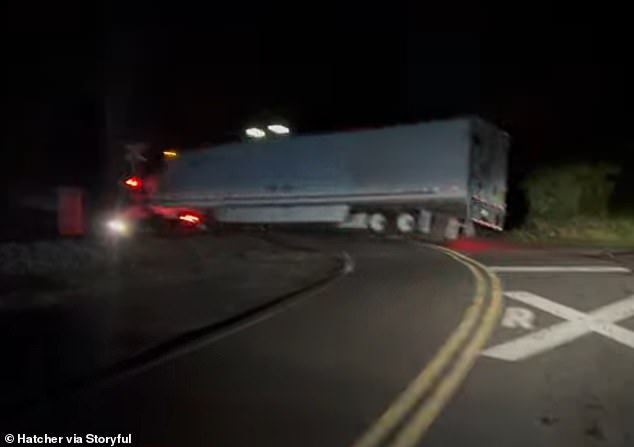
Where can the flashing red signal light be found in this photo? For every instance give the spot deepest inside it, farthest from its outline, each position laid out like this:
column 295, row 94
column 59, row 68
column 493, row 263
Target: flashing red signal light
column 133, row 183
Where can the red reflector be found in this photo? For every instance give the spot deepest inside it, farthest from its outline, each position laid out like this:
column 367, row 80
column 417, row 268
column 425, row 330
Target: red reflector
column 133, row 183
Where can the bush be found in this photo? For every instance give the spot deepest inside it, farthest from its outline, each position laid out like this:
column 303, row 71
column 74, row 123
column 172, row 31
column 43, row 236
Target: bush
column 570, row 205
column 568, row 192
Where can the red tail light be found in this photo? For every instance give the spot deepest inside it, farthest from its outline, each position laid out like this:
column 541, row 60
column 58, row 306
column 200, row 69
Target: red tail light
column 191, row 219
column 133, row 183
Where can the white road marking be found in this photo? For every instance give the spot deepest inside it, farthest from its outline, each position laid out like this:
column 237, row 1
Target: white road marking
column 558, row 269
column 348, row 263
column 599, row 321
column 518, row 317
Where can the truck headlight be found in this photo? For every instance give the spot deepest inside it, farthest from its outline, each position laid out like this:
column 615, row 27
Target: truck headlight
column 118, row 226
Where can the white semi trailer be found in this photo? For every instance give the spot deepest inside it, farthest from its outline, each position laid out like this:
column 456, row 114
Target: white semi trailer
column 407, row 178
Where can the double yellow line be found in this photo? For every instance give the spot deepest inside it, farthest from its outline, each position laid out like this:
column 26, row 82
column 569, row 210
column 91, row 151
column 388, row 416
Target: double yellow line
column 409, row 417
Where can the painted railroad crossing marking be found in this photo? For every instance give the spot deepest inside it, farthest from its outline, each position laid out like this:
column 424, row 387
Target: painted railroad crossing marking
column 518, row 317
column 600, row 321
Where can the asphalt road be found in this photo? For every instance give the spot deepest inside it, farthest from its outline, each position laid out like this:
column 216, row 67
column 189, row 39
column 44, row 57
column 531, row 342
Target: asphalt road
column 402, row 333
column 578, row 393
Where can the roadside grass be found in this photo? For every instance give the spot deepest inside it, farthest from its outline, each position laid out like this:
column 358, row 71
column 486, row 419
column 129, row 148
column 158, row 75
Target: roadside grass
column 614, row 231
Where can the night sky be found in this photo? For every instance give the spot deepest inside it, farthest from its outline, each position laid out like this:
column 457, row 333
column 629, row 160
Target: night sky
column 558, row 81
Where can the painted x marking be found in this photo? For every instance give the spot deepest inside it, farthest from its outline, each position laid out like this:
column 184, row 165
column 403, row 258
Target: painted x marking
column 600, row 321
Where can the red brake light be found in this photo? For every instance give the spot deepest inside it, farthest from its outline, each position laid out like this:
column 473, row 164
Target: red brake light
column 133, row 183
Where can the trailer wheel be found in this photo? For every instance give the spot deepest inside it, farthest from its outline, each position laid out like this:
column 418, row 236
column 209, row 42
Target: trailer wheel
column 452, row 230
column 438, row 227
column 468, row 229
column 405, row 223
column 377, row 223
